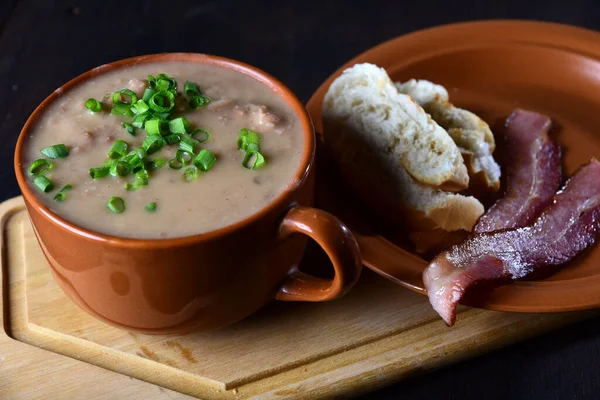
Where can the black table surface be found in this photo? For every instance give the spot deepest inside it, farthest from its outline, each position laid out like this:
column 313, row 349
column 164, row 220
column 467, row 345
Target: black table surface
column 45, row 43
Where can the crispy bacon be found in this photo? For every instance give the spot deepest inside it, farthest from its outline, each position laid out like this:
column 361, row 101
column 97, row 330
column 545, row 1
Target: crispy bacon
column 562, row 231
column 533, row 173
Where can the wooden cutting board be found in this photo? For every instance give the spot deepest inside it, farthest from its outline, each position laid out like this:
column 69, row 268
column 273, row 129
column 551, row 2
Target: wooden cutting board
column 377, row 334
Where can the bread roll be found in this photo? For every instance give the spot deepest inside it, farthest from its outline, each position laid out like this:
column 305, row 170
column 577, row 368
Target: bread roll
column 365, row 100
column 376, row 135
column 470, row 133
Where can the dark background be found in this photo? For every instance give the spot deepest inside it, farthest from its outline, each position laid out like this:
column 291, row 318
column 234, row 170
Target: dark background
column 45, row 43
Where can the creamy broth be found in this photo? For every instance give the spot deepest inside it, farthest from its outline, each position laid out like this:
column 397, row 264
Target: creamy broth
column 225, row 194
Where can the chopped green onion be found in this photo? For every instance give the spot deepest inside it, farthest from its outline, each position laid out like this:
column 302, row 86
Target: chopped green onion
column 201, row 135
column 150, row 207
column 43, row 183
column 155, row 164
column 138, row 183
column 162, row 101
column 139, row 120
column 187, row 144
column 183, row 156
column 153, row 143
column 156, row 126
column 165, row 82
column 129, row 128
column 248, row 141
column 140, row 107
column 179, row 125
column 130, row 94
column 133, row 159
column 135, row 155
column 205, row 160
column 122, row 109
column 93, row 105
column 175, row 164
column 101, row 172
column 258, row 160
column 39, row 166
column 120, row 168
column 142, row 174
column 61, row 195
column 136, row 160
column 140, row 152
column 139, row 167
column 199, row 101
column 161, row 115
column 191, row 89
column 181, row 159
column 151, row 81
column 118, row 149
column 141, row 180
column 116, row 205
column 172, row 138
column 190, row 174
column 162, row 85
column 147, row 94
column 56, row 151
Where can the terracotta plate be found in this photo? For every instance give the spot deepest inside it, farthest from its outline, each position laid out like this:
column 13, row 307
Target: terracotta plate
column 490, row 68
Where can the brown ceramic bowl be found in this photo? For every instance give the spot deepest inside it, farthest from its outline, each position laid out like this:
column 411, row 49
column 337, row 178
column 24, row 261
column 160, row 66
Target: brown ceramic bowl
column 151, row 286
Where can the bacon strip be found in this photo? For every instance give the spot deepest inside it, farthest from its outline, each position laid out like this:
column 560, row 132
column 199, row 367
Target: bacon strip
column 562, row 231
column 533, row 173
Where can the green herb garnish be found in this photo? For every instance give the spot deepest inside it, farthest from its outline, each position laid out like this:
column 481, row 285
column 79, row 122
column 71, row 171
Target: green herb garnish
column 118, row 149
column 191, row 89
column 190, row 174
column 39, row 166
column 205, row 160
column 187, row 144
column 152, row 113
column 61, row 195
column 153, row 143
column 56, row 151
column 249, row 143
column 101, row 172
column 179, row 125
column 199, row 101
column 120, row 168
column 93, row 105
column 43, row 183
column 129, row 95
column 253, row 160
column 116, row 205
column 129, row 128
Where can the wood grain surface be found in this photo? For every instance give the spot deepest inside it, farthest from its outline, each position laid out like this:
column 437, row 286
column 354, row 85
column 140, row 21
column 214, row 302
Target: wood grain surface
column 376, row 334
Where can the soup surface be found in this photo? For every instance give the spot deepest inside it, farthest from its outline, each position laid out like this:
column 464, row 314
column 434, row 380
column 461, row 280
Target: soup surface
column 227, row 193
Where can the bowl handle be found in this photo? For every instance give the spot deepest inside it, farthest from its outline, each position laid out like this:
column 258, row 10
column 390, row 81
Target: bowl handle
column 338, row 243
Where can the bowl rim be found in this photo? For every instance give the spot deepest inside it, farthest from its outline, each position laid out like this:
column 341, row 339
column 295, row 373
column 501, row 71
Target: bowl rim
column 300, row 175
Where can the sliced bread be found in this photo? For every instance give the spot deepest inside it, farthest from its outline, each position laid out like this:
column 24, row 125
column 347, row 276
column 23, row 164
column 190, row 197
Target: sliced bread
column 364, row 100
column 367, row 154
column 470, row 133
